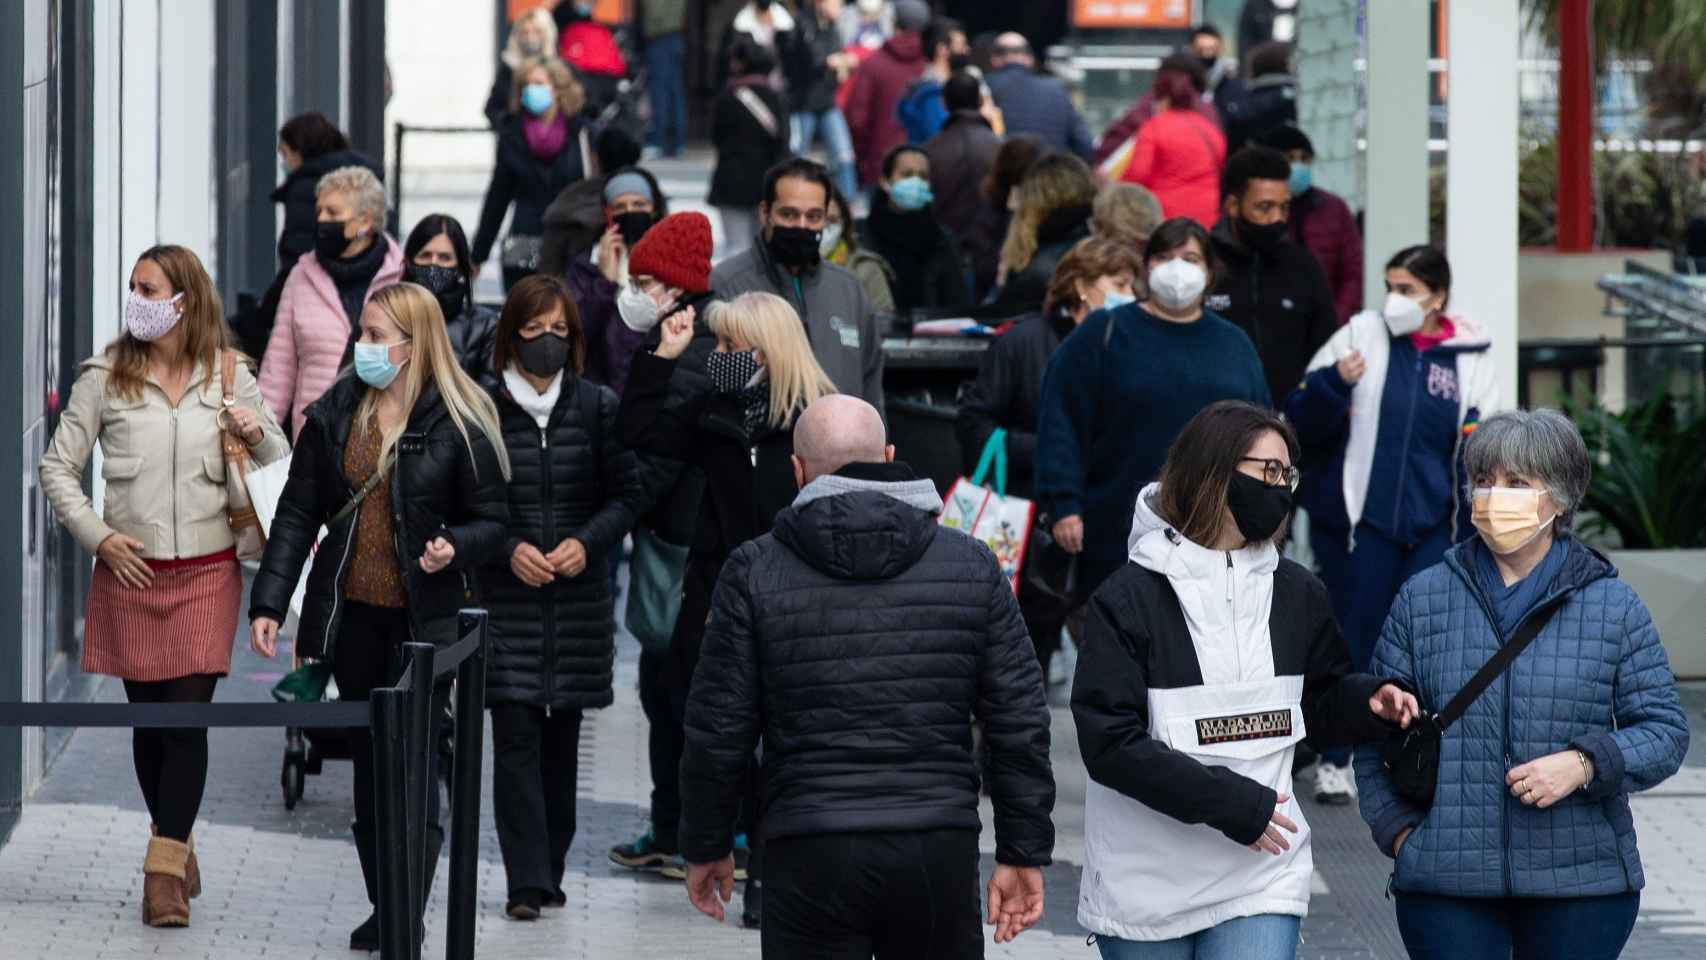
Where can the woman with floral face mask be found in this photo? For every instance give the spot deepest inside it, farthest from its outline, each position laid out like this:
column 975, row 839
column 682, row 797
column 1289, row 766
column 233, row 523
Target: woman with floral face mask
column 1382, row 414
column 732, row 416
column 163, row 601
column 1528, row 848
column 575, row 493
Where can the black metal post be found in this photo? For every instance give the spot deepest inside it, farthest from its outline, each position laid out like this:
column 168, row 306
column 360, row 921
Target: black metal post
column 420, row 744
column 397, row 176
column 465, row 790
column 396, row 919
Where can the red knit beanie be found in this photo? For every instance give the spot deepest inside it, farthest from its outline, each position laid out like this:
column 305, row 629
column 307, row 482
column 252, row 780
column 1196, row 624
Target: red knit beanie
column 675, row 251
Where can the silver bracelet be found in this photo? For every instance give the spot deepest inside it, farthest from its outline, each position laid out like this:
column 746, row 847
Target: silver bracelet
column 1587, row 772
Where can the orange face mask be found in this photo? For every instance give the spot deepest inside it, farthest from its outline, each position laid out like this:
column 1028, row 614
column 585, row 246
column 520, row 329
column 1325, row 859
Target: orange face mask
column 1508, row 517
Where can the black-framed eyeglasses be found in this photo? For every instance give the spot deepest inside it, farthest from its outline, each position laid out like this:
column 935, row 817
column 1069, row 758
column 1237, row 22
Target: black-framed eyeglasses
column 1276, row 473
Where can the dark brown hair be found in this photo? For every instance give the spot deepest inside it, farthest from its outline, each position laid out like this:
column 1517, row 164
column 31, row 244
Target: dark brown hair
column 1201, row 462
column 312, row 135
column 1174, row 234
column 1012, row 160
column 537, row 295
column 1089, row 260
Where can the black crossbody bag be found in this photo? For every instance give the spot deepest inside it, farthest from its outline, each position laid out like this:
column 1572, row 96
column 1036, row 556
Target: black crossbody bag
column 1411, row 757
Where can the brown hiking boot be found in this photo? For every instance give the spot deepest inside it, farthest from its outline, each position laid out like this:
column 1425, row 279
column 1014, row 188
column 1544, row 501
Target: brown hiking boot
column 165, row 900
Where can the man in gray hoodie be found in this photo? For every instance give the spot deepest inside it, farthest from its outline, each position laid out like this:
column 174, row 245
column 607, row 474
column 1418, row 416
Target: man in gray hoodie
column 786, row 261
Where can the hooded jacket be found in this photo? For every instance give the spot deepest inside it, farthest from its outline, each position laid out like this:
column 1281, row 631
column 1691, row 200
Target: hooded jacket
column 873, row 102
column 857, row 639
column 1595, row 679
column 840, row 324
column 1200, row 673
column 438, row 489
column 1370, row 440
column 1280, row 298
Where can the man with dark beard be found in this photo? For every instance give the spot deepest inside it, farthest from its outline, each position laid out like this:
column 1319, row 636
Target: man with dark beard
column 786, row 261
column 930, row 271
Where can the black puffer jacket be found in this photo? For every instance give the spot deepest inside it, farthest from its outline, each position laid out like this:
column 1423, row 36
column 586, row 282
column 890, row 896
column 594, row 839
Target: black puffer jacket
column 297, row 194
column 471, row 333
column 553, row 646
column 859, row 638
column 437, row 490
column 524, row 180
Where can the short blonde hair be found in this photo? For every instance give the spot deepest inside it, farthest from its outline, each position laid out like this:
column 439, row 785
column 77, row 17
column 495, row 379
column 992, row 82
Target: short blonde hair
column 366, row 194
column 1125, row 213
column 769, row 323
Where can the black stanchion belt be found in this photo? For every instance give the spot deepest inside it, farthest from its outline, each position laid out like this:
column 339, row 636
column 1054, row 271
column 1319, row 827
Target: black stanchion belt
column 185, row 715
column 449, row 659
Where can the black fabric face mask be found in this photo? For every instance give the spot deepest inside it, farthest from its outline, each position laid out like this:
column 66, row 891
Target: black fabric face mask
column 543, row 356
column 1208, row 63
column 795, row 247
column 1262, row 237
column 444, row 282
column 633, row 226
column 329, row 239
column 958, row 61
column 1257, row 508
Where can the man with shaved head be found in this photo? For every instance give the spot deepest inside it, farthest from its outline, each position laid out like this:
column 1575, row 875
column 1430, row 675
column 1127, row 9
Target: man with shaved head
column 859, row 639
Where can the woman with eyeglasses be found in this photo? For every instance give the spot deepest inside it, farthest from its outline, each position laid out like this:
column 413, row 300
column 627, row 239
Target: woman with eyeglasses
column 1206, row 660
column 1383, row 414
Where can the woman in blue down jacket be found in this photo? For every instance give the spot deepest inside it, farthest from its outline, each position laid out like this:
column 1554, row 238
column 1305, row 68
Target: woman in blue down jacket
column 1529, row 847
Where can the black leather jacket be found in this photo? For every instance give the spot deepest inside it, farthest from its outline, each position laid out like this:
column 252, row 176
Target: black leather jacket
column 438, row 489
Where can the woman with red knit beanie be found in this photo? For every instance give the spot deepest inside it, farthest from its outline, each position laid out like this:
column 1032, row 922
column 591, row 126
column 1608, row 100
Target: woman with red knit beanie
column 669, row 268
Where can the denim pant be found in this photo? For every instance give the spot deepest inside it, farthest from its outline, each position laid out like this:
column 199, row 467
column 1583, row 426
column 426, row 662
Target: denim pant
column 838, row 138
column 1270, row 936
column 1462, row 928
column 665, row 82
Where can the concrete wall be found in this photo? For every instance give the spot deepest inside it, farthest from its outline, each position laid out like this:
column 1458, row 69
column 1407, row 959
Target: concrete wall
column 1330, row 93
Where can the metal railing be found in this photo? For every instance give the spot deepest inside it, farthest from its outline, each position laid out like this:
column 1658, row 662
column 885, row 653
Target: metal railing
column 401, row 717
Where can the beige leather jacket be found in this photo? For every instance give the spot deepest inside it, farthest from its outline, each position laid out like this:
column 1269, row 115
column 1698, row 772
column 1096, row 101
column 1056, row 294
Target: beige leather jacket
column 163, row 467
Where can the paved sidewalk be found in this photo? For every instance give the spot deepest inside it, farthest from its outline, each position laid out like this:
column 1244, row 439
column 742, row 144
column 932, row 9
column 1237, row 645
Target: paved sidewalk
column 286, row 884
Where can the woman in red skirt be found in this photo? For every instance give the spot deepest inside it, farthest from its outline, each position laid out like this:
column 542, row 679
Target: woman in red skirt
column 162, row 609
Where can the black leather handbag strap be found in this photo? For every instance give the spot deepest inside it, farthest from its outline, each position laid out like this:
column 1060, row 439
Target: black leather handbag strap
column 1501, row 662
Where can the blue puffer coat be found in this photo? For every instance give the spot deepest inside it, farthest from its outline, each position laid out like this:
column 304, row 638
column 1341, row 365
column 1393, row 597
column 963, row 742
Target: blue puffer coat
column 1595, row 679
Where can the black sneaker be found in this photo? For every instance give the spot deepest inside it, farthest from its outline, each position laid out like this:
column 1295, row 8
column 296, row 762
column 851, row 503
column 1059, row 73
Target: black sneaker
column 524, row 905
column 752, row 904
column 556, row 898
column 641, row 853
column 366, row 936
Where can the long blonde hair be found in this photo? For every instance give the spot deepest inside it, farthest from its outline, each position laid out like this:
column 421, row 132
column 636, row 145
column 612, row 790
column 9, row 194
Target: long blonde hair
column 205, row 333
column 571, row 96
column 415, row 311
column 769, row 323
column 1055, row 182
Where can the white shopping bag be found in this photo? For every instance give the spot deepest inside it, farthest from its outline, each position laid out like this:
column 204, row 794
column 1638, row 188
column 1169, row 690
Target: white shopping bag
column 1001, row 522
column 266, row 488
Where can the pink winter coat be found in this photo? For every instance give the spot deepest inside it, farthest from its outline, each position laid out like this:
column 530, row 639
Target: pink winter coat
column 311, row 334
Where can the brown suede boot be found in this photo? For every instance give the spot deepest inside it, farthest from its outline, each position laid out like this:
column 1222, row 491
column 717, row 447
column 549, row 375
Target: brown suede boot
column 192, row 871
column 165, row 900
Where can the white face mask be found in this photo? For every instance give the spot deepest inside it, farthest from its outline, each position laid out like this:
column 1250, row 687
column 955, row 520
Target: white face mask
column 831, row 239
column 1403, row 315
column 1178, row 283
column 638, row 310
column 149, row 320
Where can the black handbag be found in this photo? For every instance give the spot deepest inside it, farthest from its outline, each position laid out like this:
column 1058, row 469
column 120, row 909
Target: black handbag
column 1411, row 757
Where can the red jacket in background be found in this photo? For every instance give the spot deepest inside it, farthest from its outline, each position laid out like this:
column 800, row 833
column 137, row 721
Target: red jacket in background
column 1179, row 156
column 589, row 47
column 878, row 86
column 1323, row 223
column 1122, row 129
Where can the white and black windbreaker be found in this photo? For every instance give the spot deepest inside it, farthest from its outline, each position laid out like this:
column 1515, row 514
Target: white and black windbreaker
column 1200, row 672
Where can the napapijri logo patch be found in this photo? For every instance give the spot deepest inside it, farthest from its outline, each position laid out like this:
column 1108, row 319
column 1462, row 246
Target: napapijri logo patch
column 1244, row 726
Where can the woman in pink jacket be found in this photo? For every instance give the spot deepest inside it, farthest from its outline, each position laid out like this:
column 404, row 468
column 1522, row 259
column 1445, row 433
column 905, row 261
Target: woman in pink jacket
column 320, row 307
column 1179, row 153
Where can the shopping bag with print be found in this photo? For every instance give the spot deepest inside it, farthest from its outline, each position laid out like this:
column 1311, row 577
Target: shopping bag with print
column 1001, row 522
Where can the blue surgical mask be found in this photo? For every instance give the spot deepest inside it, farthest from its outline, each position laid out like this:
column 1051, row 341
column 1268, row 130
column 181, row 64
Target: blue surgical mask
column 913, row 193
column 373, row 364
column 1113, row 300
column 1302, row 178
column 536, row 98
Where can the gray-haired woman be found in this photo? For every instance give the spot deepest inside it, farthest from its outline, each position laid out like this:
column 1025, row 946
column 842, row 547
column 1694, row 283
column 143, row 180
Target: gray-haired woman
column 1528, row 849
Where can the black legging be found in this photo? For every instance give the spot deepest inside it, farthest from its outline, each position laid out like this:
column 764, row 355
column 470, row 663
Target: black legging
column 171, row 764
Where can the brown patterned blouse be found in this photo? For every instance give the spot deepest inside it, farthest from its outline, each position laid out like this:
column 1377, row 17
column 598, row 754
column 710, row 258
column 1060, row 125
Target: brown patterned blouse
column 376, row 576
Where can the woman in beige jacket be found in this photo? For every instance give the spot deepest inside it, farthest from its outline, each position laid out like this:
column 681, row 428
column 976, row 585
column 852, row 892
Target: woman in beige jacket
column 163, row 604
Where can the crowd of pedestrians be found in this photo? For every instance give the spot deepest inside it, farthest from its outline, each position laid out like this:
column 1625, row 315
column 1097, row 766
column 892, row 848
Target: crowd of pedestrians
column 831, row 677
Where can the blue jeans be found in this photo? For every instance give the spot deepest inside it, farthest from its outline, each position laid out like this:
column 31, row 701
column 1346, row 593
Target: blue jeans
column 838, row 137
column 667, row 86
column 1461, row 928
column 1270, row 936
column 1362, row 585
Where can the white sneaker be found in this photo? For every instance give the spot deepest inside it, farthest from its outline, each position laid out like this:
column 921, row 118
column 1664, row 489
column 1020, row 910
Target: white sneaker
column 1334, row 784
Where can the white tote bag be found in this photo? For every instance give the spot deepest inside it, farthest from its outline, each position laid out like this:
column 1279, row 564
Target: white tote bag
column 266, row 487
column 1000, row 522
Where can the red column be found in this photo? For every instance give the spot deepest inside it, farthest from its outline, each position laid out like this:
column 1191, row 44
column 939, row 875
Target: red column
column 1575, row 127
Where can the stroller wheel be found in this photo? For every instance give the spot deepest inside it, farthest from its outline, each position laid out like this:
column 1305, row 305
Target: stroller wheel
column 292, row 779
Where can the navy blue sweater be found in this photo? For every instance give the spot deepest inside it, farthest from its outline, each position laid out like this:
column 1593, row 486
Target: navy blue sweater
column 1112, row 403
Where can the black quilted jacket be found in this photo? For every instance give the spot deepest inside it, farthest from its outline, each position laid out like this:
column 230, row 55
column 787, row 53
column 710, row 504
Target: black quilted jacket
column 553, row 646
column 437, row 490
column 860, row 639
